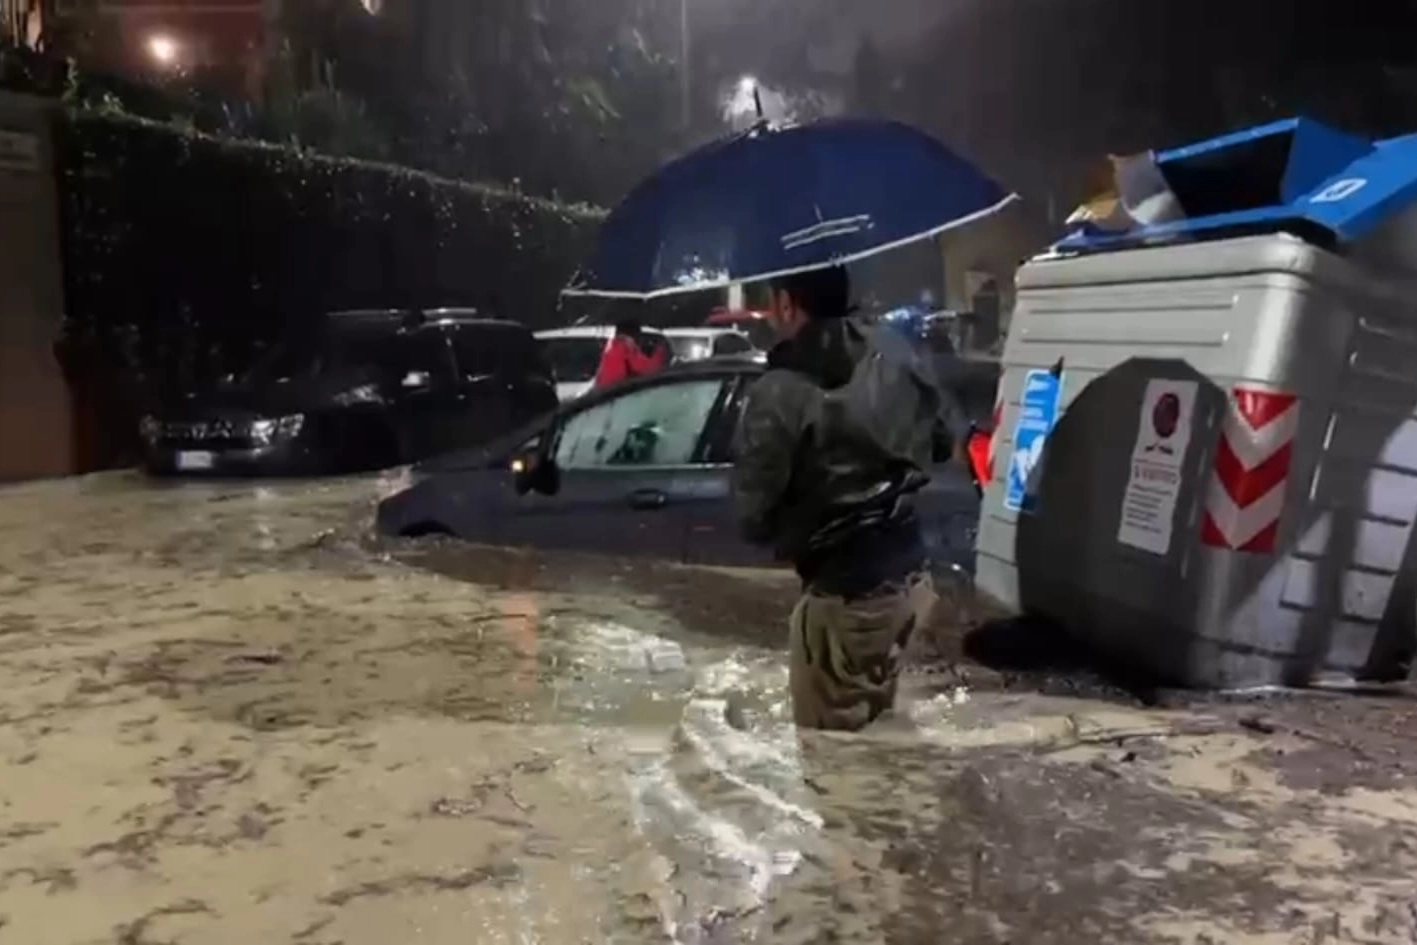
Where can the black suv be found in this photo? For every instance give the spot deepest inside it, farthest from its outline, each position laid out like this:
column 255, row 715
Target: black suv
column 371, row 389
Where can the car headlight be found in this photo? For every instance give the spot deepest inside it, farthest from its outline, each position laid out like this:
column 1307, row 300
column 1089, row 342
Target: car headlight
column 149, row 429
column 363, row 394
column 275, row 428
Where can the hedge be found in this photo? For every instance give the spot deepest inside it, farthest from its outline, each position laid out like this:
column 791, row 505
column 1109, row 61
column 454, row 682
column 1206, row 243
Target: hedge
column 184, row 252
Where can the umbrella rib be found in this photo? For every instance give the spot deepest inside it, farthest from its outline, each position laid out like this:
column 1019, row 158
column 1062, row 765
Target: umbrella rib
column 763, row 277
column 841, row 226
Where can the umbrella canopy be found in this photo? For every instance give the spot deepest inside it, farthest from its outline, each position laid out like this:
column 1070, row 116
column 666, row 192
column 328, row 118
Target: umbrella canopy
column 776, row 201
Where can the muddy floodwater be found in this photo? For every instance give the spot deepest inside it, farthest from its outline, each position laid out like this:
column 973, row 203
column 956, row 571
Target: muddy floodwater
column 228, row 715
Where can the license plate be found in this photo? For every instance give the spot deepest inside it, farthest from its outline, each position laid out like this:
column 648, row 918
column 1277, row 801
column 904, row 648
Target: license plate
column 191, row 461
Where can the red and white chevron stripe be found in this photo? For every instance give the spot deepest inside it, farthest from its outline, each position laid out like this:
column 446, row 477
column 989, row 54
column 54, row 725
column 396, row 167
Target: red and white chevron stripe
column 1246, row 493
column 994, row 433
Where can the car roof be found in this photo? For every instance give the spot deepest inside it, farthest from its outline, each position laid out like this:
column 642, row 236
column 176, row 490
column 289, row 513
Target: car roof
column 428, row 317
column 587, row 331
column 464, row 316
column 445, row 320
column 578, row 331
column 377, row 316
column 701, row 331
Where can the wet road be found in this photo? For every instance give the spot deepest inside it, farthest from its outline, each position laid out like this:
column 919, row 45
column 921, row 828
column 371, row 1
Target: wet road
column 226, row 715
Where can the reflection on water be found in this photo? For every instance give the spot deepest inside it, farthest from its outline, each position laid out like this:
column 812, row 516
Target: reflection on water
column 226, row 715
column 725, row 806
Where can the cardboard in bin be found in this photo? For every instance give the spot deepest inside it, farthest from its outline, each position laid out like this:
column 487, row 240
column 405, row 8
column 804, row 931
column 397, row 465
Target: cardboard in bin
column 1134, row 194
column 1294, row 174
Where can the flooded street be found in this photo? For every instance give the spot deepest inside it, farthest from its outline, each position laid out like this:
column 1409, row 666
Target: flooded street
column 228, row 716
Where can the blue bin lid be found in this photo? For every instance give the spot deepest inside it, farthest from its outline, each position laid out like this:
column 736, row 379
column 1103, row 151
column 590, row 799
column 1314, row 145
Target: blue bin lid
column 1294, row 174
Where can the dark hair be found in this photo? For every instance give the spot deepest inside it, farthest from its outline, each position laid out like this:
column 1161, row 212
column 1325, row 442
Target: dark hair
column 821, row 293
column 628, row 326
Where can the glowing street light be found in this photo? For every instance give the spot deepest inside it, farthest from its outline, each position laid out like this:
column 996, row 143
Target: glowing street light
column 163, row 49
column 745, row 100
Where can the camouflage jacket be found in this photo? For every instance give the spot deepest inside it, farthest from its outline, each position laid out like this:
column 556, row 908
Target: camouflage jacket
column 844, row 425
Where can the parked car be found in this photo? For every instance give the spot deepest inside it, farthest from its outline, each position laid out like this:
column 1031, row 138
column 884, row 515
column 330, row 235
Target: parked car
column 575, row 352
column 574, row 355
column 697, row 344
column 370, row 390
column 642, row 468
column 750, row 322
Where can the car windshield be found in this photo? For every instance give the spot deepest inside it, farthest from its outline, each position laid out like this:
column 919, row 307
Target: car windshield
column 340, row 353
column 487, row 348
column 691, row 347
column 574, row 360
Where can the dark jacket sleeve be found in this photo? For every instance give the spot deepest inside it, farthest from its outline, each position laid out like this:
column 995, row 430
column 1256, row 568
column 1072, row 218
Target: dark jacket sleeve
column 763, row 449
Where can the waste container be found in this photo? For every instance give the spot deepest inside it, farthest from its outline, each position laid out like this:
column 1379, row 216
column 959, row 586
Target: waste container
column 1206, row 455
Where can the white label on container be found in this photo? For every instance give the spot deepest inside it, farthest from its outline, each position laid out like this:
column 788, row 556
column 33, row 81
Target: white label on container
column 19, row 151
column 1158, row 456
column 1339, row 190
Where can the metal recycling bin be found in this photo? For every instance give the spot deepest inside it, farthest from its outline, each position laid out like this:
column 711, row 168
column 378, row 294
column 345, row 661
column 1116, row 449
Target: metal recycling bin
column 1218, row 485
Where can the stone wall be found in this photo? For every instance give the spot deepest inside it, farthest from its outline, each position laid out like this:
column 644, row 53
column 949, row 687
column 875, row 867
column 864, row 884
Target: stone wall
column 36, row 437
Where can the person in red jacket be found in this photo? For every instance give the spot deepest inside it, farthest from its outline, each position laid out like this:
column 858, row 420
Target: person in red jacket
column 629, row 354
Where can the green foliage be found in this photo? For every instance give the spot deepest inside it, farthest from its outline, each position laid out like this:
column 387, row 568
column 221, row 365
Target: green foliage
column 554, row 96
column 185, row 251
column 320, row 117
column 590, row 94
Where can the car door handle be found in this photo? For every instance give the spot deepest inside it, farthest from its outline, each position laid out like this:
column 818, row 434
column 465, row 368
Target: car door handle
column 648, row 499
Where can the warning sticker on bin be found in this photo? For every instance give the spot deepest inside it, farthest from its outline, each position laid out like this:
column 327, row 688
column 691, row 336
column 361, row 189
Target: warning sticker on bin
column 1158, row 458
column 1038, row 412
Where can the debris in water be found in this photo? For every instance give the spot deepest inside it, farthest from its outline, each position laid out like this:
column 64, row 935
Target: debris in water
column 1258, row 723
column 450, row 807
column 263, row 658
column 735, row 713
column 1102, row 767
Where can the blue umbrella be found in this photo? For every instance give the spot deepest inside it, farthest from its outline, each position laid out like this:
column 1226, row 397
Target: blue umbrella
column 775, row 201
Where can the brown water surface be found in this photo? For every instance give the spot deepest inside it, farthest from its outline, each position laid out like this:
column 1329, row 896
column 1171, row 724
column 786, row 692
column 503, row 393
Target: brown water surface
column 227, row 716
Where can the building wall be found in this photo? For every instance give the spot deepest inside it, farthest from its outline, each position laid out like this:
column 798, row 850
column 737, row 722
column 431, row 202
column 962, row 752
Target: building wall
column 21, row 21
column 35, row 415
column 993, row 248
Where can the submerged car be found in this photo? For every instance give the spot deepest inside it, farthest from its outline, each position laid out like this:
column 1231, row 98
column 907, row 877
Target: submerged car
column 642, row 468
column 372, row 389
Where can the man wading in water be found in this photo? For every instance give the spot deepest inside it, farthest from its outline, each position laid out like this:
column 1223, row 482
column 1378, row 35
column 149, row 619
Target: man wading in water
column 833, row 443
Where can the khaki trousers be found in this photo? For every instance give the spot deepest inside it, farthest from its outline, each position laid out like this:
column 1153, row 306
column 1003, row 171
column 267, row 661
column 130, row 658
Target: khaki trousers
column 845, row 656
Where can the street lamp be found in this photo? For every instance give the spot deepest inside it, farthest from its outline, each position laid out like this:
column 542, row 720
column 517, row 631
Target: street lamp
column 744, row 101
column 163, row 49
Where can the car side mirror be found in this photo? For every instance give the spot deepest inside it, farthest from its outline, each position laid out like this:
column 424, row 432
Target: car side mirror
column 536, row 472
